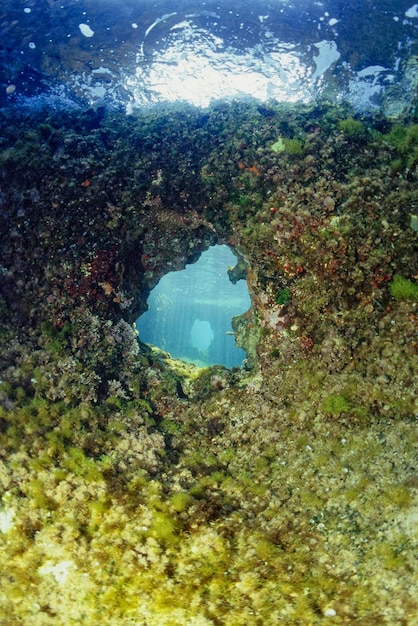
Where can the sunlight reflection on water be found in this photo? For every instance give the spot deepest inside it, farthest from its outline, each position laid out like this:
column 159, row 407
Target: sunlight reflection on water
column 132, row 54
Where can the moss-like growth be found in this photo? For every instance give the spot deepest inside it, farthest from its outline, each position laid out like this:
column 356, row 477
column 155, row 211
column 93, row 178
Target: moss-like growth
column 293, row 146
column 181, row 501
column 284, row 296
column 354, row 129
column 76, row 461
column 405, row 140
column 403, row 289
column 336, row 405
column 163, row 527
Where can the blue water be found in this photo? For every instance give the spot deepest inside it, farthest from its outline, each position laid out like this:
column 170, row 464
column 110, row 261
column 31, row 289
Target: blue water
column 190, row 311
column 131, row 53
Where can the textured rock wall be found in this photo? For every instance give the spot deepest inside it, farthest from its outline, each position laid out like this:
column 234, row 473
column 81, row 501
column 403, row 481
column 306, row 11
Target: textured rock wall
column 141, row 488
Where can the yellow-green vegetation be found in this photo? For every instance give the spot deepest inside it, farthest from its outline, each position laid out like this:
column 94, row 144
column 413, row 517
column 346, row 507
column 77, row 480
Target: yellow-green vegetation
column 290, row 146
column 354, row 129
column 289, row 529
column 335, row 405
column 405, row 139
column 403, row 289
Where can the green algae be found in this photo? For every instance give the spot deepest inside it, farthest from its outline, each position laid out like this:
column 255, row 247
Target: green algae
column 292, row 146
column 278, row 146
column 354, row 129
column 405, row 139
column 403, row 289
column 335, row 405
column 284, row 296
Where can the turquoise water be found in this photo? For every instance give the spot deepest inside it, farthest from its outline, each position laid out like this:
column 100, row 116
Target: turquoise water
column 190, row 311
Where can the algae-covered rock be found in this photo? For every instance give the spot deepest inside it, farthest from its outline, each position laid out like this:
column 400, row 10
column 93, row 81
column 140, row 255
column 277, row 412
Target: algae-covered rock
column 140, row 489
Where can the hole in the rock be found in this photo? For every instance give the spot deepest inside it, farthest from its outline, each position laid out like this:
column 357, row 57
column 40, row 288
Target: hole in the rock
column 190, row 311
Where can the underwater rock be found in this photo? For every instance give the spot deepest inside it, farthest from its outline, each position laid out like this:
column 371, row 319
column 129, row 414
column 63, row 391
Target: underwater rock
column 142, row 488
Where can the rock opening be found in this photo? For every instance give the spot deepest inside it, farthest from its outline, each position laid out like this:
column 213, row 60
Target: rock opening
column 190, row 311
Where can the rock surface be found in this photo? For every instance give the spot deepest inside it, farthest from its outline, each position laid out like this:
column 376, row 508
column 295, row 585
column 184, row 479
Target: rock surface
column 151, row 492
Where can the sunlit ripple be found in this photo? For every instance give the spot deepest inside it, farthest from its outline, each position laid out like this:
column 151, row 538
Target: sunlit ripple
column 203, row 50
column 200, row 78
column 195, row 66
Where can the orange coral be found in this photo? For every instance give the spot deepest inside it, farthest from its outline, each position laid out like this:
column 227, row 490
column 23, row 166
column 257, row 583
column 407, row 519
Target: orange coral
column 252, row 168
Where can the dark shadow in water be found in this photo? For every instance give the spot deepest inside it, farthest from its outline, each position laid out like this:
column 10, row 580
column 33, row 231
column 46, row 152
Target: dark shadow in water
column 190, row 311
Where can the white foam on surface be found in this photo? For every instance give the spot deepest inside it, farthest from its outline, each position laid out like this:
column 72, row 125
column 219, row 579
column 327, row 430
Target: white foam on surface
column 86, row 30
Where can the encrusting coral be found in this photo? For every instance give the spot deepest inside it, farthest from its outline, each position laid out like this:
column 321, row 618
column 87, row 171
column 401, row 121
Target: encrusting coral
column 141, row 490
